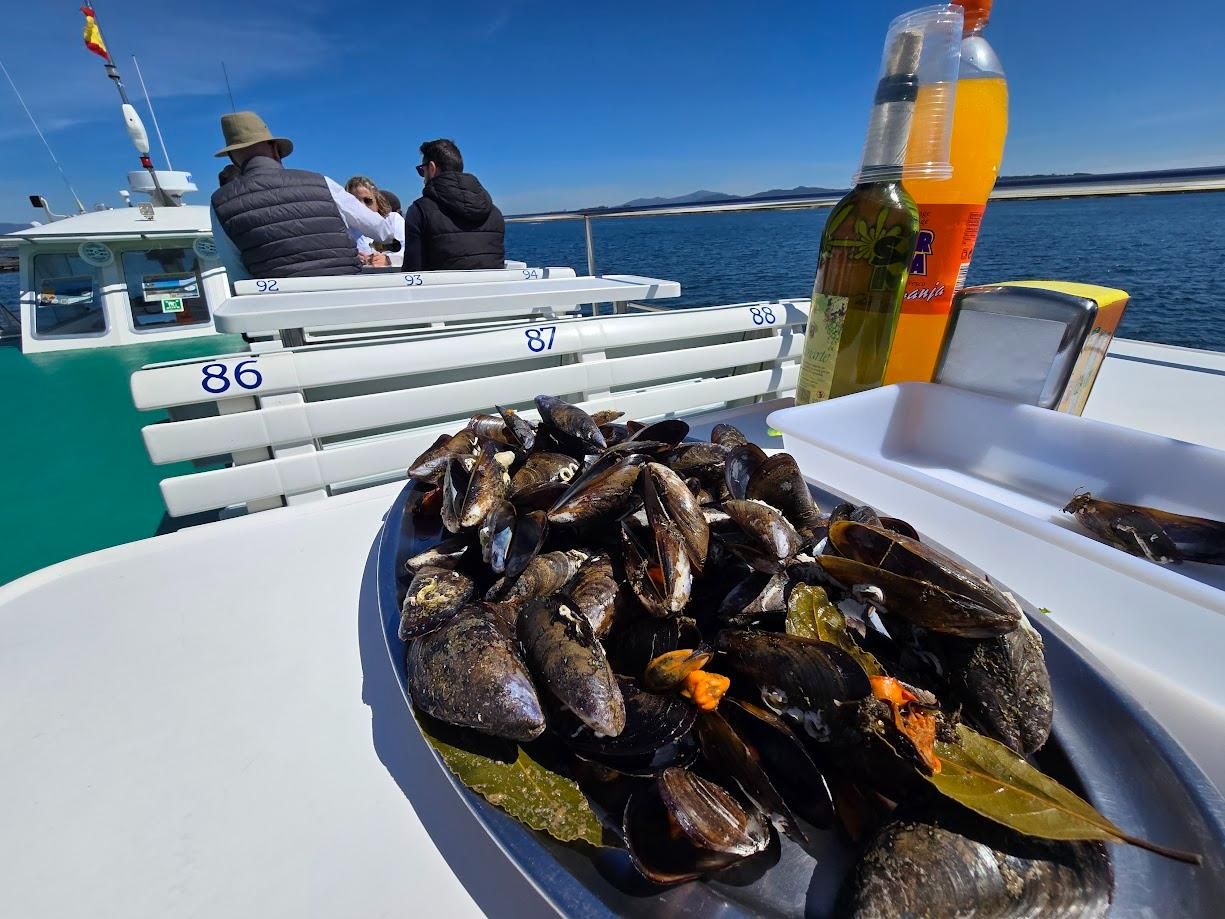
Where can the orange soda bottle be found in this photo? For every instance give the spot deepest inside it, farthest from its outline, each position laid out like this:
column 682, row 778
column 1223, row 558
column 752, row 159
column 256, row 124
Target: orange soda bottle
column 951, row 211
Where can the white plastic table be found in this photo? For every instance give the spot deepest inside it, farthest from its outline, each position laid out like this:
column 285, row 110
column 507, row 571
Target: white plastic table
column 206, row 724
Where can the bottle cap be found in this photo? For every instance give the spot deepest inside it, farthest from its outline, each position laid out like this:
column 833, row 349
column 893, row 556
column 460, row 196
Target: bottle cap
column 914, row 97
column 977, row 13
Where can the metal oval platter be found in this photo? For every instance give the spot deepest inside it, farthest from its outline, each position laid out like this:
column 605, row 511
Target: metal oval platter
column 1104, row 745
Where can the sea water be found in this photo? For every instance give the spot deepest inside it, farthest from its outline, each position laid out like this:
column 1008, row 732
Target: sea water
column 1166, row 250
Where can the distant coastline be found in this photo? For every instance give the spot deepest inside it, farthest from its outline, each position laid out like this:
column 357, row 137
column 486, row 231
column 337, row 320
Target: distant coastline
column 1078, row 184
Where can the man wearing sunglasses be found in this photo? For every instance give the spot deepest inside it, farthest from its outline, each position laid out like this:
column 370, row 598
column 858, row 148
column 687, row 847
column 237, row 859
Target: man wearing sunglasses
column 273, row 222
column 454, row 224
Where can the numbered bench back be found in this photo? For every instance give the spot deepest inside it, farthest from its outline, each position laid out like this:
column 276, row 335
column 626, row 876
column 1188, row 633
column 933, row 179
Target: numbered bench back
column 329, row 418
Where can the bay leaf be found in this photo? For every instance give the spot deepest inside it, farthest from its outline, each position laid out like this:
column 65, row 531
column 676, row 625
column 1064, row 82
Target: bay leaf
column 992, row 780
column 811, row 614
column 523, row 788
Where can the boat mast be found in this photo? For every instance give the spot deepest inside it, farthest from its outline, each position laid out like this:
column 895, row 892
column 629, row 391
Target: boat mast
column 152, row 114
column 136, row 128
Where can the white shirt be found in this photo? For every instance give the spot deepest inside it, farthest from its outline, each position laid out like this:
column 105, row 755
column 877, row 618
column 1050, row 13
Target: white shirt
column 362, row 222
column 364, row 245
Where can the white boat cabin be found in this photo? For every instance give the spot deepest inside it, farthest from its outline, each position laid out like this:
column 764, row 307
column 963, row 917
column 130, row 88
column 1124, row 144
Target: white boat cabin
column 118, row 277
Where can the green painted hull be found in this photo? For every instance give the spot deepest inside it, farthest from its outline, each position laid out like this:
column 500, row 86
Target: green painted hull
column 77, row 477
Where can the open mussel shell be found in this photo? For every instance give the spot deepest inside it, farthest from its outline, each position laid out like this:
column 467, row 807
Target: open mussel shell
column 446, row 554
column 919, row 584
column 603, row 490
column 431, row 465
column 469, row 673
column 1147, row 532
column 528, row 537
column 488, row 484
column 570, row 422
column 799, row 678
column 862, row 513
column 569, row 662
column 646, row 638
column 606, row 416
column 701, row 460
column 670, row 431
column 757, row 597
column 715, row 830
column 496, row 535
column 434, row 595
column 455, row 484
column 937, row 861
column 489, row 427
column 666, row 497
column 785, row 759
column 771, row 539
column 668, row 671
column 739, row 466
column 779, row 483
column 659, row 574
column 657, row 734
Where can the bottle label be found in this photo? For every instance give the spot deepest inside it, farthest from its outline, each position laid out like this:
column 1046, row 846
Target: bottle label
column 947, row 233
column 825, row 320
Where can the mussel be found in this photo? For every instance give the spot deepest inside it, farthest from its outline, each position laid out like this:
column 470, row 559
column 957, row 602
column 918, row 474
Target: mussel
column 657, row 735
column 469, row 673
column 570, row 423
column 434, row 595
column 1147, row 532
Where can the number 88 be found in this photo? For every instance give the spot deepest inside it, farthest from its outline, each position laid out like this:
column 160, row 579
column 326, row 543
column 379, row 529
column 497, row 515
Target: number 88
column 762, row 315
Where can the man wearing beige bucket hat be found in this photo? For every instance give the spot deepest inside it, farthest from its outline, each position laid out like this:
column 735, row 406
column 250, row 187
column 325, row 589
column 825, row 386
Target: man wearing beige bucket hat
column 273, row 222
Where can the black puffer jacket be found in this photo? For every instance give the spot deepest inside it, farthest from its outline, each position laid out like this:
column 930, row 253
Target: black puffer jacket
column 453, row 225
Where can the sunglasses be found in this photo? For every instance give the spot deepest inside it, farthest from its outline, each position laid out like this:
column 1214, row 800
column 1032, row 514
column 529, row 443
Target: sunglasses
column 369, row 202
column 421, row 170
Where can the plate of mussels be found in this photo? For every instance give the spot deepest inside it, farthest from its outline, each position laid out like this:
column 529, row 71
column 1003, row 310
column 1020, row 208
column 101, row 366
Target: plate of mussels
column 676, row 676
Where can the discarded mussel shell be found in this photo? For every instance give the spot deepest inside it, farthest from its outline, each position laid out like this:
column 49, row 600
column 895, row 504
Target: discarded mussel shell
column 656, row 735
column 771, row 539
column 739, row 466
column 779, row 483
column 567, row 658
column 918, row 583
column 469, row 673
column 1159, row 536
column 969, row 866
column 603, row 490
column 571, row 422
column 715, row 831
column 799, row 678
column 434, row 595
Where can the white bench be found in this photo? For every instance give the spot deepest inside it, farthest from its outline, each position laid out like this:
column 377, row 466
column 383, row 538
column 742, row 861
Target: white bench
column 300, row 422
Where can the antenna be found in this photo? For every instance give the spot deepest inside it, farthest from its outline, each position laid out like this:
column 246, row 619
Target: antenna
column 152, row 114
column 226, row 73
column 50, row 152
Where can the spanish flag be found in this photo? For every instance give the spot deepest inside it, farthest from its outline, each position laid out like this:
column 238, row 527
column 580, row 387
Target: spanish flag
column 93, row 35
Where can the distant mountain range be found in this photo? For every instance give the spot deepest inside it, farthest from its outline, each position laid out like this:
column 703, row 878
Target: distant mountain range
column 12, row 227
column 706, row 197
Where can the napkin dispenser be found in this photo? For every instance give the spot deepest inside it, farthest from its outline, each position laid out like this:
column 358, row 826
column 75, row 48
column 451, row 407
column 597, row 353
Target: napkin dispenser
column 1037, row 342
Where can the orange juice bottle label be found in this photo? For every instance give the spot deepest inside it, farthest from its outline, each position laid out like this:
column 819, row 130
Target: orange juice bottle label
column 947, row 233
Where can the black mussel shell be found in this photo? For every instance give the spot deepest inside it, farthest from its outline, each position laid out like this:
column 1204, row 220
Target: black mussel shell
column 497, row 534
column 542, row 468
column 521, row 431
column 529, row 535
column 538, row 497
column 455, row 483
column 715, row 831
column 739, row 466
column 488, row 485
column 606, row 416
column 728, row 435
column 785, row 759
column 571, row 422
column 659, row 574
column 779, row 483
column 430, row 466
column 544, row 574
column 670, row 431
column 614, row 433
column 434, row 595
column 489, row 427
column 772, row 539
column 596, row 592
column 446, row 554
column 802, row 679
column 665, row 495
column 647, row 637
column 657, row 734
column 969, row 866
column 757, row 597
column 569, row 662
column 703, row 460
column 604, row 490
column 469, row 673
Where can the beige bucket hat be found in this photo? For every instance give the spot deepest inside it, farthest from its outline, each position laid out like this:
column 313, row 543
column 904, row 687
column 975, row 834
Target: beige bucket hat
column 242, row 129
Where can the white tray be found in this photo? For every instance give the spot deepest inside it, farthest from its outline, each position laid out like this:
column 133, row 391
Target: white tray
column 987, row 477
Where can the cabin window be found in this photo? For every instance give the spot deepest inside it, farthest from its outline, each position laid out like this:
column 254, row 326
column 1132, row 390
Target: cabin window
column 66, row 299
column 164, row 288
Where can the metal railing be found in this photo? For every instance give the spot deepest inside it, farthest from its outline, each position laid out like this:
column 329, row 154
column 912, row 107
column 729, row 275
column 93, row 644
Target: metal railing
column 713, row 207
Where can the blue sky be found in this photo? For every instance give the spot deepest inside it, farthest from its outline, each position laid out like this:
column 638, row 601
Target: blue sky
column 564, row 104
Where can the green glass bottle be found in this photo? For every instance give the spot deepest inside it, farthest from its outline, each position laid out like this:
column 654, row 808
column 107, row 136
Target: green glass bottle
column 867, row 247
